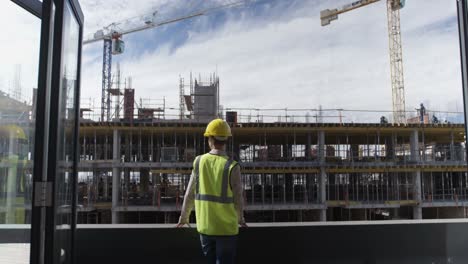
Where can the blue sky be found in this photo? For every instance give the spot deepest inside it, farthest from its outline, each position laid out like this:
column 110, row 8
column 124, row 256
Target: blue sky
column 178, row 34
column 275, row 54
column 268, row 54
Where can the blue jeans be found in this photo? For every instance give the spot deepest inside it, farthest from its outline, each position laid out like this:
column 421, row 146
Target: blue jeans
column 219, row 249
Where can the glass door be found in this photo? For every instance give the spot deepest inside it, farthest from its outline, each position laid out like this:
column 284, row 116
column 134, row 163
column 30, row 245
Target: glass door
column 63, row 159
column 19, row 50
column 56, row 167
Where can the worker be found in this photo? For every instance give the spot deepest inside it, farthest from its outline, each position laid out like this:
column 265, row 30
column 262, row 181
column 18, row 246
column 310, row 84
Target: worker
column 215, row 189
column 422, row 112
column 383, row 120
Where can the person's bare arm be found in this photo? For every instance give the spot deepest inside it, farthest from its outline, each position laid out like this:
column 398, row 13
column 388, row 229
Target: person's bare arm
column 189, row 202
column 238, row 191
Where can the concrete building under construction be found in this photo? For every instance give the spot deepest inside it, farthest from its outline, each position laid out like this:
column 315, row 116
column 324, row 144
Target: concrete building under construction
column 136, row 169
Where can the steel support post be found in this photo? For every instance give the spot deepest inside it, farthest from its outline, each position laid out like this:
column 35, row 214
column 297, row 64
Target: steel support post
column 115, row 177
column 322, row 175
column 416, row 175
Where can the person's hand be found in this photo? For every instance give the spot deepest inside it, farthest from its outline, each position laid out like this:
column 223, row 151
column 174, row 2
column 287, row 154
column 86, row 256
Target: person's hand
column 180, row 224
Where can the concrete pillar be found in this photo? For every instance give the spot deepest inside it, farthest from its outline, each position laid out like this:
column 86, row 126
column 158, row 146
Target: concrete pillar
column 414, row 145
column 321, row 147
column 323, row 194
column 322, row 176
column 308, row 156
column 415, row 157
column 106, row 185
column 115, row 177
column 417, row 210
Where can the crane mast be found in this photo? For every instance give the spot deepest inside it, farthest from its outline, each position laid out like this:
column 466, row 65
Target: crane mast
column 396, row 61
column 113, row 44
column 106, row 80
column 395, row 49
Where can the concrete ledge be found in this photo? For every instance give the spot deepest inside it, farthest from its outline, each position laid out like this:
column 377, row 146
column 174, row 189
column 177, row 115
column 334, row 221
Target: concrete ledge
column 15, row 234
column 402, row 241
column 426, row 241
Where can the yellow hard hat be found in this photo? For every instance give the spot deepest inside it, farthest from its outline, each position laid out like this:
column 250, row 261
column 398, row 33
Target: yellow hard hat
column 219, row 129
column 13, row 131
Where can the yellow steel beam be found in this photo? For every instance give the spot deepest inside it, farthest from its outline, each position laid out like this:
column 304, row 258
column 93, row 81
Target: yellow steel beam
column 341, row 203
column 403, row 202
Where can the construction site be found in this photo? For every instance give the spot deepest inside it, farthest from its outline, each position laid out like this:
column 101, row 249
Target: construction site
column 135, row 167
column 234, row 131
column 136, row 155
column 297, row 164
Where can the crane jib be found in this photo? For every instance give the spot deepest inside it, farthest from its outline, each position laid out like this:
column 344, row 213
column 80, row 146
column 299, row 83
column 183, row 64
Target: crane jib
column 114, row 45
column 359, row 4
column 395, row 49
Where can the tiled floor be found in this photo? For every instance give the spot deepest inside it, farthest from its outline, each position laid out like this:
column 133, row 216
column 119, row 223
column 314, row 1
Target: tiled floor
column 14, row 253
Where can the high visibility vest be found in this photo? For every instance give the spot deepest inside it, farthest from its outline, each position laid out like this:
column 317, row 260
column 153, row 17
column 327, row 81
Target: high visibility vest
column 214, row 203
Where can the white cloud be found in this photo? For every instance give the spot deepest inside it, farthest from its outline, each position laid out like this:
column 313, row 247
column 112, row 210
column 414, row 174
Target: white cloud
column 285, row 59
column 20, row 41
column 296, row 63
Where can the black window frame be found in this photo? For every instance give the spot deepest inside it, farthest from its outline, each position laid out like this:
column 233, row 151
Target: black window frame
column 42, row 219
column 32, row 6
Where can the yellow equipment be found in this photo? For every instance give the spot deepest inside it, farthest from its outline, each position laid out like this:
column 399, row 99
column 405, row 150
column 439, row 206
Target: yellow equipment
column 13, row 157
column 218, row 128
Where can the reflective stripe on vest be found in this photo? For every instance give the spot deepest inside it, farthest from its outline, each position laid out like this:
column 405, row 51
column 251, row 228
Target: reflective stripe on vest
column 213, row 198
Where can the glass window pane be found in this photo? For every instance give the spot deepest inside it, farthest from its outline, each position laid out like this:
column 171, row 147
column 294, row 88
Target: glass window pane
column 66, row 129
column 19, row 51
column 280, row 70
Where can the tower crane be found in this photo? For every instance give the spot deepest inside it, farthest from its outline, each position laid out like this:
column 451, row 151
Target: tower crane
column 396, row 54
column 112, row 35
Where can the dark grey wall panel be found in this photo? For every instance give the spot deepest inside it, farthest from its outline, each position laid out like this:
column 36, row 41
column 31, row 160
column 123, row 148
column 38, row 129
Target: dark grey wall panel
column 402, row 243
column 390, row 243
column 15, row 234
column 166, row 245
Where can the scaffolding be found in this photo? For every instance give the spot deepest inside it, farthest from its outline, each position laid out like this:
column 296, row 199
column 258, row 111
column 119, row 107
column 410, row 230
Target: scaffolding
column 290, row 171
